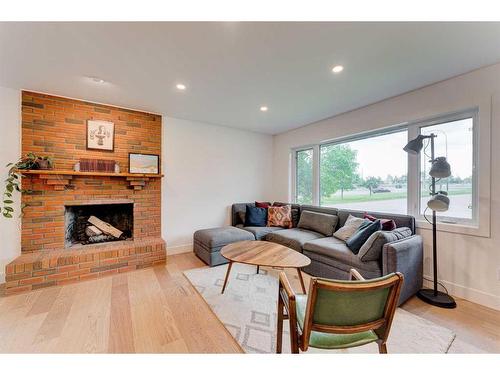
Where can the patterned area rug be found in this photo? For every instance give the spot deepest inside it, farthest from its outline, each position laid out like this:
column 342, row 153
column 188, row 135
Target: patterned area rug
column 248, row 310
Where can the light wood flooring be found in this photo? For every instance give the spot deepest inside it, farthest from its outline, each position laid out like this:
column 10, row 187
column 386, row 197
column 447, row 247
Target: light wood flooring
column 157, row 310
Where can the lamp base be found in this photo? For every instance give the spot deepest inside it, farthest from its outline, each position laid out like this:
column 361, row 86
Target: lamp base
column 439, row 299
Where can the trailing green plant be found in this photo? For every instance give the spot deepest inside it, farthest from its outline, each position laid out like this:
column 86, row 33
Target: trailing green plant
column 13, row 181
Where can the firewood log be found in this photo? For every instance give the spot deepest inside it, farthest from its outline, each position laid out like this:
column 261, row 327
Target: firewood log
column 105, row 227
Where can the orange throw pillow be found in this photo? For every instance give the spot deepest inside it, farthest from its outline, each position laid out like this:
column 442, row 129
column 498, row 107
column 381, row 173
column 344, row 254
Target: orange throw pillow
column 279, row 216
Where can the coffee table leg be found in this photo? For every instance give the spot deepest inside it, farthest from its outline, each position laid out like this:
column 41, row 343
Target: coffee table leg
column 301, row 281
column 258, row 268
column 227, row 276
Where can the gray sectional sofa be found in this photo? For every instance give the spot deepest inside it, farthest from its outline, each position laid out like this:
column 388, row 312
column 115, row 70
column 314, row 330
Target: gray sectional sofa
column 330, row 257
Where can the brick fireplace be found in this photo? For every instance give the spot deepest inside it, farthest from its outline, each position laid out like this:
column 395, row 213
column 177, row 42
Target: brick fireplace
column 51, row 253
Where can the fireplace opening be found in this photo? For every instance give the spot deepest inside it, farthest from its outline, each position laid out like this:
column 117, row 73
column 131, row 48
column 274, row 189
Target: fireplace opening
column 98, row 223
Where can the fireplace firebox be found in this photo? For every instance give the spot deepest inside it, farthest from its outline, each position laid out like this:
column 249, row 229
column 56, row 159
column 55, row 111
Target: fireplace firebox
column 98, row 223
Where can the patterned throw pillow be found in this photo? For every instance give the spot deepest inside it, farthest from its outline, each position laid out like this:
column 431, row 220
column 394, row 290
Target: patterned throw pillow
column 295, row 212
column 279, row 216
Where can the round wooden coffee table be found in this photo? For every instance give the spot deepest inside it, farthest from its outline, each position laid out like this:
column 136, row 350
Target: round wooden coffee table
column 261, row 253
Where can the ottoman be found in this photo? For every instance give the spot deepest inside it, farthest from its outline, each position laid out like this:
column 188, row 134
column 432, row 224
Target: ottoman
column 208, row 242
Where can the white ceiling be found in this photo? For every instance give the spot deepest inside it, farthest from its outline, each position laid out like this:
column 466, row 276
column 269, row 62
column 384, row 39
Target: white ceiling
column 233, row 68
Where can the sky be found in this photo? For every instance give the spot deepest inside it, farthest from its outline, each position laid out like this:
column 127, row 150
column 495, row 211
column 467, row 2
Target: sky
column 383, row 155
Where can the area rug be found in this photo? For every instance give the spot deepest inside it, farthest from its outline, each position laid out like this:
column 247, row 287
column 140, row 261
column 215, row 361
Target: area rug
column 248, row 311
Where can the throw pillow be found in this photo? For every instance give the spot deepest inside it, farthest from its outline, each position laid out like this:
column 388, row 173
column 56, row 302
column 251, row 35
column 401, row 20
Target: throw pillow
column 357, row 240
column 350, row 227
column 279, row 216
column 262, row 204
column 318, row 222
column 295, row 212
column 387, row 224
column 372, row 248
column 255, row 216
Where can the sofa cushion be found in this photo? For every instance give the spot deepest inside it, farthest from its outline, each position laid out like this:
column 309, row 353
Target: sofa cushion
column 349, row 228
column 261, row 232
column 216, row 237
column 372, row 248
column 332, row 251
column 363, row 233
column 318, row 222
column 255, row 216
column 241, row 216
column 236, row 216
column 279, row 216
column 293, row 238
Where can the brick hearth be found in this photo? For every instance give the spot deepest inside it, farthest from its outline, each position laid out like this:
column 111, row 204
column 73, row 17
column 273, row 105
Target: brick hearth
column 58, row 267
column 56, row 127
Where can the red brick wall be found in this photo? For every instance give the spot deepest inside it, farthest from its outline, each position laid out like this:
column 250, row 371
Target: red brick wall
column 56, row 127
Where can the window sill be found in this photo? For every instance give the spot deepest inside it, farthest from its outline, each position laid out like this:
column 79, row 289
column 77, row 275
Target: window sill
column 468, row 230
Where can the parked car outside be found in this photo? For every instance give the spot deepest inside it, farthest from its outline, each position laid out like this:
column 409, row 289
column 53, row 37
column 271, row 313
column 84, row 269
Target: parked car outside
column 381, row 190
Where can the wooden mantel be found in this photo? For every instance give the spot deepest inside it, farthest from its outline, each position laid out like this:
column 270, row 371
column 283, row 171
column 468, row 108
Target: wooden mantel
column 62, row 178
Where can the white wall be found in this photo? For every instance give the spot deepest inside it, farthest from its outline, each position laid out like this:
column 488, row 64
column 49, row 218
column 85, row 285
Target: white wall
column 469, row 265
column 10, row 146
column 207, row 168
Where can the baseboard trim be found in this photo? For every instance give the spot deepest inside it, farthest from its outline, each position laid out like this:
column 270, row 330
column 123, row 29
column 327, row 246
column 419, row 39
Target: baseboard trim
column 469, row 294
column 180, row 249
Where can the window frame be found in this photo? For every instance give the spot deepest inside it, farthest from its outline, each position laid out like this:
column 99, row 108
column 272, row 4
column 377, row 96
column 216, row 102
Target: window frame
column 414, row 163
column 413, row 129
column 295, row 151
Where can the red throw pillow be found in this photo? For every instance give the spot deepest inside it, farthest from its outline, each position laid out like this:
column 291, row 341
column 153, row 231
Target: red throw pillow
column 387, row 224
column 279, row 216
column 262, row 204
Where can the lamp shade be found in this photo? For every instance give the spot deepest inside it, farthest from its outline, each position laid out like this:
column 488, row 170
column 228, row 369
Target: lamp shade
column 415, row 145
column 440, row 168
column 439, row 202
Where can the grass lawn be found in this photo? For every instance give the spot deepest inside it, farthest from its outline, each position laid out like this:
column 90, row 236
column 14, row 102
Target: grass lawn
column 381, row 196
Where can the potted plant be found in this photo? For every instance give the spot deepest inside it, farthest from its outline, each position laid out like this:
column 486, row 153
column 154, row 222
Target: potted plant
column 13, row 181
column 44, row 162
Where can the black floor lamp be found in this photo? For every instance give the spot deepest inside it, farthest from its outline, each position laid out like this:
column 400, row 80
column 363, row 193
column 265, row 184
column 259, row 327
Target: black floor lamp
column 439, row 201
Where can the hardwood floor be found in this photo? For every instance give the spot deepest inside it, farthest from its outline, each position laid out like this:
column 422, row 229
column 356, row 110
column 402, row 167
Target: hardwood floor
column 147, row 311
column 157, row 310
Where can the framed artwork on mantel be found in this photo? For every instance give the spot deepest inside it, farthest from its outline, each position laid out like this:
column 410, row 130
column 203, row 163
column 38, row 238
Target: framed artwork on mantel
column 100, row 135
column 143, row 163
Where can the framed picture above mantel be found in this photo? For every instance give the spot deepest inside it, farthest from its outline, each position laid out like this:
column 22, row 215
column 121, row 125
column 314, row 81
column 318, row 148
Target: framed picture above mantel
column 100, row 135
column 143, row 163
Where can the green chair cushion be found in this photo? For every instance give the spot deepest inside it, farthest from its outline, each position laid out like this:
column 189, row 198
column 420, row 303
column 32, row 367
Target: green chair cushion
column 322, row 340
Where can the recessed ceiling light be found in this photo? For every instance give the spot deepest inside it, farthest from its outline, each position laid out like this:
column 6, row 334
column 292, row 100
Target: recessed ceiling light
column 337, row 68
column 263, row 108
column 180, row 86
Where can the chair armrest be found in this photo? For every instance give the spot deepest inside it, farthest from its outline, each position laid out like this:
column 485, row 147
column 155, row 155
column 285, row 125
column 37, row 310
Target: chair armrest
column 355, row 275
column 286, row 300
column 405, row 256
column 285, row 285
column 287, row 294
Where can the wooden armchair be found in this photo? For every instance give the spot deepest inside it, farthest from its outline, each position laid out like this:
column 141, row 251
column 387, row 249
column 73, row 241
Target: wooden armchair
column 338, row 314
